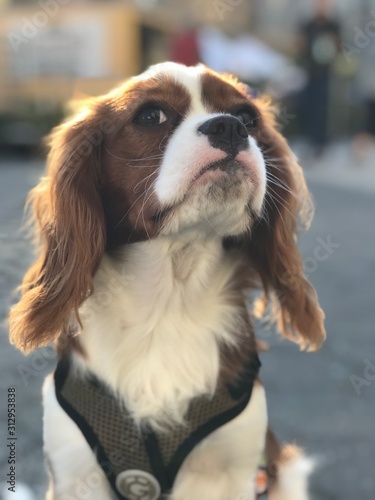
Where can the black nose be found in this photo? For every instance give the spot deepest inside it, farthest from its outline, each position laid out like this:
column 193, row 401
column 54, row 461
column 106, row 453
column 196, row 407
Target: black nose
column 227, row 133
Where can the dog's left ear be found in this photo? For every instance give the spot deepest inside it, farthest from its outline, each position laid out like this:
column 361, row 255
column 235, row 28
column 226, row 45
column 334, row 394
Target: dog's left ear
column 69, row 220
column 272, row 245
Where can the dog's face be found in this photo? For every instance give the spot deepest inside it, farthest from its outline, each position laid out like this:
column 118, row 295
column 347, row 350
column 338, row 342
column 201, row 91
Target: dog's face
column 184, row 157
column 176, row 152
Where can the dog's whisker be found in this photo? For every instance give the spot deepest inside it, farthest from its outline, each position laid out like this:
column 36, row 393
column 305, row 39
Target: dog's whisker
column 276, row 182
column 141, row 212
column 271, row 199
column 129, row 209
column 161, row 142
column 144, row 180
column 130, row 160
column 280, row 201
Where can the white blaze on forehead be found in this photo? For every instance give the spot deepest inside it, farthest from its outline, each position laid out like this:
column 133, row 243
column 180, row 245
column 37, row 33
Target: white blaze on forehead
column 187, row 76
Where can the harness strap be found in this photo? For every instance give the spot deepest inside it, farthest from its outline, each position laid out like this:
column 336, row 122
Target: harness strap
column 76, row 394
column 60, row 377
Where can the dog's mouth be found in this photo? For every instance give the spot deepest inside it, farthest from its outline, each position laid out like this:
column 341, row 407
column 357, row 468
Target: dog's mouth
column 228, row 165
column 223, row 174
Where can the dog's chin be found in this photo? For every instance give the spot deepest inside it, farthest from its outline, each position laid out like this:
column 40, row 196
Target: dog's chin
column 218, row 205
column 219, row 183
column 198, row 222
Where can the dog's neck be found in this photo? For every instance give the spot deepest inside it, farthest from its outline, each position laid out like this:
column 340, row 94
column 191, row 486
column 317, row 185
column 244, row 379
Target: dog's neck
column 159, row 318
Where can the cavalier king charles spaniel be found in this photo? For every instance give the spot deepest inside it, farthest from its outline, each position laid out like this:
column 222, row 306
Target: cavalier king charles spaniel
column 165, row 202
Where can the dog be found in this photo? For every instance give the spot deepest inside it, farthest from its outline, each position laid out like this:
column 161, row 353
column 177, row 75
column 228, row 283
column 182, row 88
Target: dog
column 165, row 202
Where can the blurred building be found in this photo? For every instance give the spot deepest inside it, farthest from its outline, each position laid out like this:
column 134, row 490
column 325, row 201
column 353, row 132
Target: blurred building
column 50, row 51
column 53, row 50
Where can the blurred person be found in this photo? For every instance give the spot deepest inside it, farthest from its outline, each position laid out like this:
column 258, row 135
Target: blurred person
column 184, row 46
column 319, row 44
column 364, row 142
column 250, row 59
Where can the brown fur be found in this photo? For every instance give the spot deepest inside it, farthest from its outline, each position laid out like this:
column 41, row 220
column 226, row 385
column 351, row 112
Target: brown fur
column 273, row 452
column 273, row 246
column 69, row 216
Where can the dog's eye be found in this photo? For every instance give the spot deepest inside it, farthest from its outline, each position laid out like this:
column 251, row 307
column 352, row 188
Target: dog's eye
column 150, row 116
column 247, row 117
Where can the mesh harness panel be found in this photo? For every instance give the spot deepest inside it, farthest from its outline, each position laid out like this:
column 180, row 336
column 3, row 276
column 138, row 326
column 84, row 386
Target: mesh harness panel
column 119, row 445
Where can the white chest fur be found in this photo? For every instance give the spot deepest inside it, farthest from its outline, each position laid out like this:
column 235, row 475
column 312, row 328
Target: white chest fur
column 155, row 323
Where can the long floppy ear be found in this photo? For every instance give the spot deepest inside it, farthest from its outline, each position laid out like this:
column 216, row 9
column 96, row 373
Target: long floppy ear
column 69, row 221
column 273, row 242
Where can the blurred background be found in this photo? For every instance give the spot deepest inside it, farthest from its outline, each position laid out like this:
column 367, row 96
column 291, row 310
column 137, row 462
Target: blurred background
column 316, row 58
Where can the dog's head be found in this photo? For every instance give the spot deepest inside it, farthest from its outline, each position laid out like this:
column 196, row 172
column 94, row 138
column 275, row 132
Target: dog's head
column 176, row 152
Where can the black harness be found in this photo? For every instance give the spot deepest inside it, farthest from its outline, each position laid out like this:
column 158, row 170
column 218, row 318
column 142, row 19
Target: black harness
column 143, row 463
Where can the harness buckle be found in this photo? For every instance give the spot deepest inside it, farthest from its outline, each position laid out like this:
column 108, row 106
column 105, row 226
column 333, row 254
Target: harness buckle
column 138, row 485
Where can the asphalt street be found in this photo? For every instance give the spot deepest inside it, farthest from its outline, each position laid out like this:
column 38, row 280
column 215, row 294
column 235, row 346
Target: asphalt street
column 323, row 401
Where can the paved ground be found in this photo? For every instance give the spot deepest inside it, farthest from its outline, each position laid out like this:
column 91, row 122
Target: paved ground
column 15, row 254
column 311, row 396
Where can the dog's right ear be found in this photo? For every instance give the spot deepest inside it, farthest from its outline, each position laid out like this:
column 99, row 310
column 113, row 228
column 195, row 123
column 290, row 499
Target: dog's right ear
column 69, row 219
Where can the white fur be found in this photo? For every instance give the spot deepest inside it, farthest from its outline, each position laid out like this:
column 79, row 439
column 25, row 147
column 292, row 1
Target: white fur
column 156, row 336
column 189, row 77
column 186, row 155
column 293, row 480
